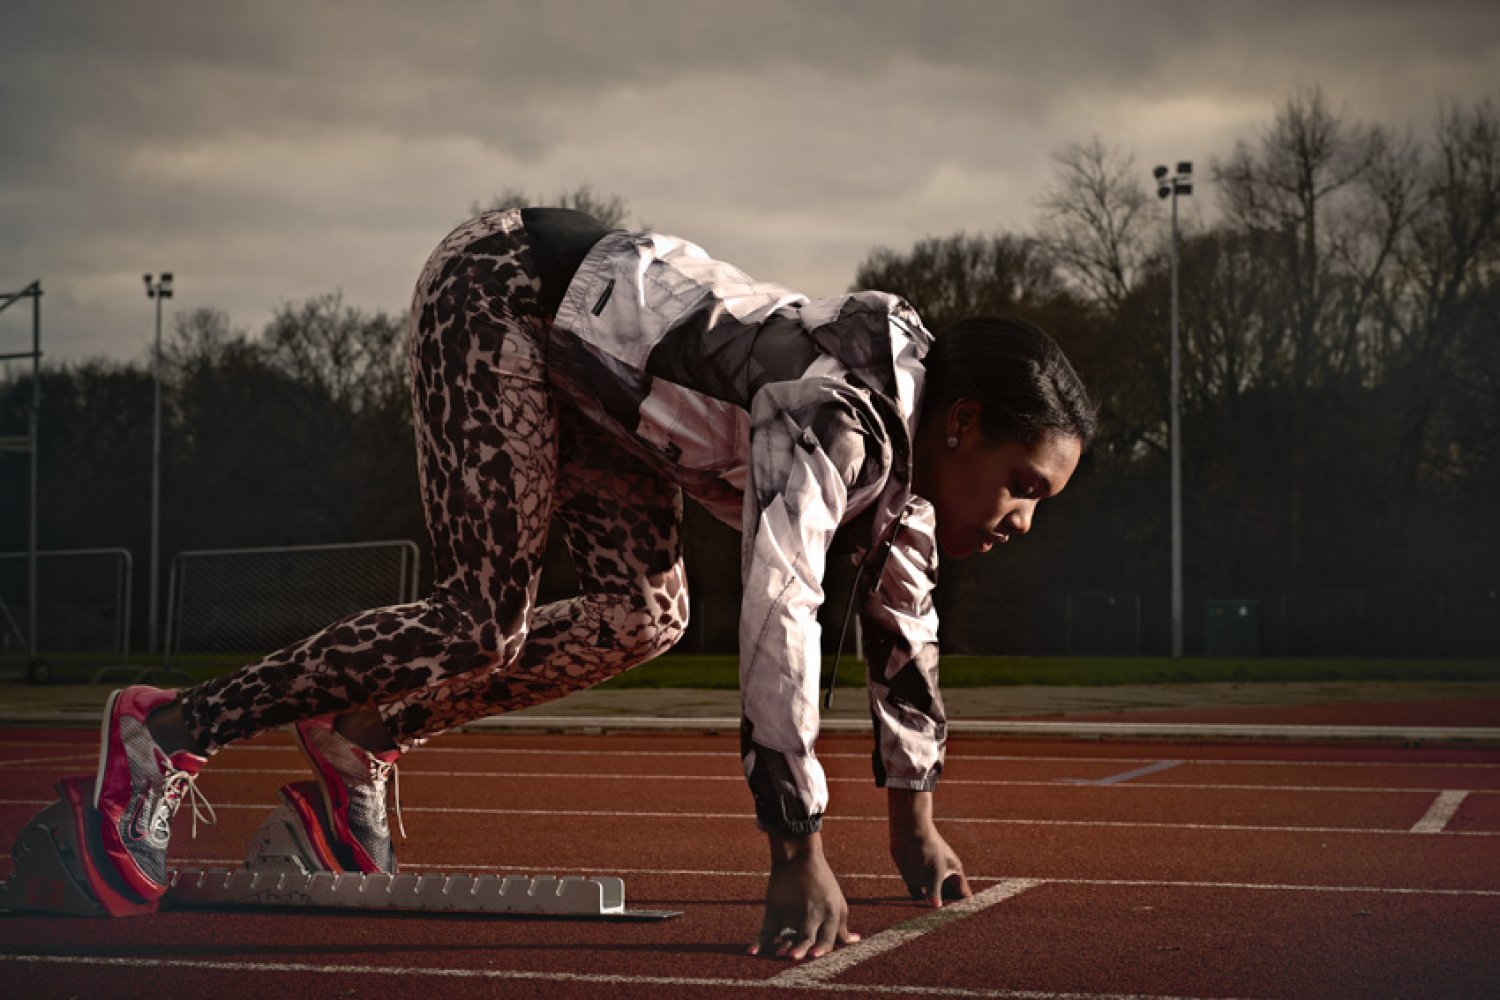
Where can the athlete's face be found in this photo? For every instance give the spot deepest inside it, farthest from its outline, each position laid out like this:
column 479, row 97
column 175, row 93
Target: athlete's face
column 985, row 493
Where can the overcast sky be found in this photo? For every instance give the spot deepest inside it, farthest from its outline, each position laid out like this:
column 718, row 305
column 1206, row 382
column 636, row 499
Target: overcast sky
column 268, row 151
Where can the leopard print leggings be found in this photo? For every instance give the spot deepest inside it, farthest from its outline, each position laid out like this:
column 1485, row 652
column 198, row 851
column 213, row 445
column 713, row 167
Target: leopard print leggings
column 489, row 437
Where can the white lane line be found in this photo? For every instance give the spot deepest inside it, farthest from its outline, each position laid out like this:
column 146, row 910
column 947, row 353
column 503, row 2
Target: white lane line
column 450, row 867
column 21, row 765
column 1115, row 779
column 410, row 773
column 818, row 971
column 607, row 979
column 954, row 755
column 485, row 867
column 746, row 817
column 1440, row 812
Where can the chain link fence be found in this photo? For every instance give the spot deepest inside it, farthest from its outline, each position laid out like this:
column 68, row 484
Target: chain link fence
column 1331, row 622
column 82, row 610
column 249, row 602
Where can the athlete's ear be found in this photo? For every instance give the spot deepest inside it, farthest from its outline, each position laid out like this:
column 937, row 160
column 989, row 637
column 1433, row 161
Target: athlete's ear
column 963, row 417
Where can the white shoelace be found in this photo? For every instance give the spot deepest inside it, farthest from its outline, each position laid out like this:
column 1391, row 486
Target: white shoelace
column 176, row 786
column 380, row 772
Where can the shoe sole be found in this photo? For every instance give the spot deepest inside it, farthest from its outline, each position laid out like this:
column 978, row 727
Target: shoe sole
column 104, row 743
column 105, row 883
column 314, row 834
column 337, row 826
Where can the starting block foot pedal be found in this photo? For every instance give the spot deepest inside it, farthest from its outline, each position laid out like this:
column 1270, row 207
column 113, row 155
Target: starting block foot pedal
column 297, row 837
column 60, row 866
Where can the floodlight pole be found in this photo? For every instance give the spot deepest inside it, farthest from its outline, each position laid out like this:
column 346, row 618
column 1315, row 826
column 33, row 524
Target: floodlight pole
column 1180, row 183
column 34, row 420
column 161, row 289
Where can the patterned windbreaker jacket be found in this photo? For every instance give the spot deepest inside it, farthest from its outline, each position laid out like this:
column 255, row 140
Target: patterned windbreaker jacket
column 791, row 419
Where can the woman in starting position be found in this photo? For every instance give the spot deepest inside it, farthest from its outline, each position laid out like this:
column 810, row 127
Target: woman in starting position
column 559, row 368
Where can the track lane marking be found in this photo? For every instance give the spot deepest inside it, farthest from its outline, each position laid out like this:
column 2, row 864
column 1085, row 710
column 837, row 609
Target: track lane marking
column 29, row 763
column 817, row 972
column 1115, row 779
column 485, row 867
column 446, row 868
column 287, row 747
column 409, row 772
column 746, row 817
column 281, row 968
column 1440, row 812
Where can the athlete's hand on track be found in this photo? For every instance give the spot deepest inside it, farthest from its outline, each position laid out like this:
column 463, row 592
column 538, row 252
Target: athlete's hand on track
column 928, row 866
column 806, row 914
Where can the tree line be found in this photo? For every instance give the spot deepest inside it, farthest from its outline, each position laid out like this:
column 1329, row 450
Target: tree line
column 1340, row 404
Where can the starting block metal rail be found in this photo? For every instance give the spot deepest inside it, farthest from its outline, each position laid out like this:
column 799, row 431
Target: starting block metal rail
column 513, row 895
column 56, row 873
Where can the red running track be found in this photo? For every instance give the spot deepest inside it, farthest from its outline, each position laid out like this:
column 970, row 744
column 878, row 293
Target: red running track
column 1104, row 869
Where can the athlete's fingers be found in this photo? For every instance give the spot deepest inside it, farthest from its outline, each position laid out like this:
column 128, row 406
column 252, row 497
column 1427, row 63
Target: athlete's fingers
column 771, row 930
column 812, row 936
column 828, row 935
column 956, row 886
column 842, row 935
column 811, row 933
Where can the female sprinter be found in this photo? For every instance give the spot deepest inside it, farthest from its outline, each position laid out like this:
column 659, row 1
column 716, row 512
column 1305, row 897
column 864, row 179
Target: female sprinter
column 559, row 368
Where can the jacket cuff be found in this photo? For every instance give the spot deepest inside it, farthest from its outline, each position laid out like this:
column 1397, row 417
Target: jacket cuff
column 790, row 827
column 919, row 783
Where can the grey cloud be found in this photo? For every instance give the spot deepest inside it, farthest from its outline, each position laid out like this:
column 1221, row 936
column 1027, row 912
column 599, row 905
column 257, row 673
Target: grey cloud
column 276, row 149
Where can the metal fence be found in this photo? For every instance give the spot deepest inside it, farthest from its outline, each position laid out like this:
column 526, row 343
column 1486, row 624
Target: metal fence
column 1333, row 622
column 1325, row 622
column 82, row 603
column 253, row 601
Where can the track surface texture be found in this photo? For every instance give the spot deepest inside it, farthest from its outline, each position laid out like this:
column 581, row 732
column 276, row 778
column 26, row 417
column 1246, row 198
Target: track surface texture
column 1100, row 870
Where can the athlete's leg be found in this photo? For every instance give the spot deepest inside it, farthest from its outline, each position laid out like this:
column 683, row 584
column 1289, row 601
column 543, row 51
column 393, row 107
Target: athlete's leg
column 486, row 443
column 622, row 523
column 487, row 452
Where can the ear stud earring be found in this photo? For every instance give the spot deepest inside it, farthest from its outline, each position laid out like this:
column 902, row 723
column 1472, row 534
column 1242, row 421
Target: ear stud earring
column 952, row 441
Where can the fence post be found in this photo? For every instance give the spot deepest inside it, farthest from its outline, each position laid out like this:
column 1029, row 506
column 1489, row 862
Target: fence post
column 1068, row 618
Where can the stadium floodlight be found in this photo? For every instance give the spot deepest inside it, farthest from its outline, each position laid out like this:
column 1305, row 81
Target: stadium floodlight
column 160, row 289
column 1179, row 184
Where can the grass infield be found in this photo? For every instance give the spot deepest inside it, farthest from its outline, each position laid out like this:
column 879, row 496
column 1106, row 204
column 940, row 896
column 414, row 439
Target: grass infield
column 722, row 672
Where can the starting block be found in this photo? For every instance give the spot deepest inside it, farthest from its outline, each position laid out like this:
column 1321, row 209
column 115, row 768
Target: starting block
column 60, row 866
column 292, row 862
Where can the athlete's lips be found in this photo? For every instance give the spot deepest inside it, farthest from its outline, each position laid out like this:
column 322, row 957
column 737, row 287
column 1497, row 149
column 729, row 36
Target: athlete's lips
column 990, row 538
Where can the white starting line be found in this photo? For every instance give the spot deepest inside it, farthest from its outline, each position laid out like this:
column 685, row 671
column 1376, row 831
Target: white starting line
column 841, row 960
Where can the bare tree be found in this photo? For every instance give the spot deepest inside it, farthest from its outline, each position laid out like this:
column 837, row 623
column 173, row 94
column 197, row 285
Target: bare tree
column 1299, row 191
column 951, row 277
column 1094, row 220
column 357, row 359
column 1442, row 293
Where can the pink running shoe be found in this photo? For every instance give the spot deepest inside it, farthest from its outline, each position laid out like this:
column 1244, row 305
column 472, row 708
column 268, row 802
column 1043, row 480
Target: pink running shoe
column 139, row 789
column 354, row 782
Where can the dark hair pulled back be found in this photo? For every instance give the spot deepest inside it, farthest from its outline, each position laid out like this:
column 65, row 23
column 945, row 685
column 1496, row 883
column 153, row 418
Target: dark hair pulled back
column 1024, row 384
